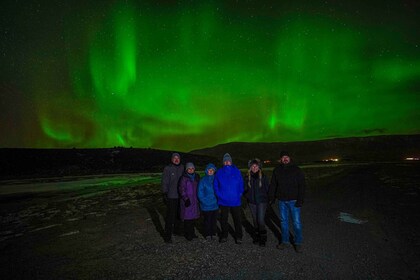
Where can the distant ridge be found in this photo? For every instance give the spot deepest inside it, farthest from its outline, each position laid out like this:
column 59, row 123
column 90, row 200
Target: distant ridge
column 31, row 163
column 372, row 148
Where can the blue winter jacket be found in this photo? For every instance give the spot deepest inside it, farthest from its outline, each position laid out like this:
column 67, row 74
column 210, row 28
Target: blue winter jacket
column 206, row 196
column 229, row 186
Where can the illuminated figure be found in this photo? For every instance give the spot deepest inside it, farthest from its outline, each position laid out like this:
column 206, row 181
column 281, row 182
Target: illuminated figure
column 188, row 202
column 170, row 178
column 256, row 191
column 288, row 186
column 208, row 202
column 229, row 187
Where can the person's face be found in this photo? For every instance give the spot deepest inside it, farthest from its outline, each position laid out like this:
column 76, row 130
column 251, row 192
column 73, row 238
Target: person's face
column 285, row 159
column 176, row 160
column 255, row 168
column 227, row 162
column 210, row 172
column 190, row 170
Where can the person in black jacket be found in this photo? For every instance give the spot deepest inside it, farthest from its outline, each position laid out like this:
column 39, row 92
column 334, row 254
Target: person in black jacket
column 256, row 192
column 288, row 186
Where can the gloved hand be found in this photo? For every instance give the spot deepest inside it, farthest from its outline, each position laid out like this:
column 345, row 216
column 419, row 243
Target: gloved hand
column 187, row 202
column 165, row 198
column 298, row 204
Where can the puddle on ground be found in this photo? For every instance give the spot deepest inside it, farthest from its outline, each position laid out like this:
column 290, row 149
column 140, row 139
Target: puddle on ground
column 349, row 218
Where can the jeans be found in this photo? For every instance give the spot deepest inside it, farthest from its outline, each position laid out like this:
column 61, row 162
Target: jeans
column 210, row 219
column 236, row 215
column 286, row 208
column 258, row 214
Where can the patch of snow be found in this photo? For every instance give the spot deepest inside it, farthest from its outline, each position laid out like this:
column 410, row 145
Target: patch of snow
column 69, row 233
column 349, row 218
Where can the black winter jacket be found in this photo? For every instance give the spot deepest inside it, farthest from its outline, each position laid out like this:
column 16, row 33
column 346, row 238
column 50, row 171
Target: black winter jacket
column 256, row 194
column 287, row 183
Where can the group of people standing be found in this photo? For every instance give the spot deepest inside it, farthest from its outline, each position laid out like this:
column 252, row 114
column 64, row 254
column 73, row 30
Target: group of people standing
column 221, row 191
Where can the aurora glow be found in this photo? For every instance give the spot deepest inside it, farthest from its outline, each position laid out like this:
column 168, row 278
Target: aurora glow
column 182, row 75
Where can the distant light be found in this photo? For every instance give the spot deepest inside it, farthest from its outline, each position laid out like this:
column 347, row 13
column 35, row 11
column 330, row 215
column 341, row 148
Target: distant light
column 267, row 161
column 330, row 160
column 412, row 158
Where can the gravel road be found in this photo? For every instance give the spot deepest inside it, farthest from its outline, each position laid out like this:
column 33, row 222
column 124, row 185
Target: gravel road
column 359, row 222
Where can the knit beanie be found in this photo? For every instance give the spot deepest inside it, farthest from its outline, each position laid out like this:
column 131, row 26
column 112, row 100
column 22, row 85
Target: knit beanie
column 284, row 153
column 175, row 155
column 227, row 157
column 189, row 165
column 254, row 161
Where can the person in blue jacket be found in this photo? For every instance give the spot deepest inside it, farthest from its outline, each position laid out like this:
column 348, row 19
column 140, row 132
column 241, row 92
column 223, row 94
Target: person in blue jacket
column 208, row 202
column 229, row 186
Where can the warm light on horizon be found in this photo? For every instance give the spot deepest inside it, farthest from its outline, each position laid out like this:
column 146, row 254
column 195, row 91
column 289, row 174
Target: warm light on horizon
column 331, row 160
column 412, row 158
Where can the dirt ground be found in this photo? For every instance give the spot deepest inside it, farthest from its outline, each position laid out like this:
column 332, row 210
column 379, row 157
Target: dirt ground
column 359, row 222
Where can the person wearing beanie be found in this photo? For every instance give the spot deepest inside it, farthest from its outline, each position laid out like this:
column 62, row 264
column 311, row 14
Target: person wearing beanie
column 208, row 202
column 256, row 192
column 227, row 157
column 229, row 186
column 189, row 209
column 170, row 177
column 288, row 187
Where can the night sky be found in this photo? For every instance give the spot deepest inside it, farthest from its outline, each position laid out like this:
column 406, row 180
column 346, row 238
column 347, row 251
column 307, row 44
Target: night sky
column 182, row 75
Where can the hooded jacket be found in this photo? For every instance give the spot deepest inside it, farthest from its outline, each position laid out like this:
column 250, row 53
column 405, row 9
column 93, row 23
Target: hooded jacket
column 188, row 190
column 206, row 195
column 229, row 186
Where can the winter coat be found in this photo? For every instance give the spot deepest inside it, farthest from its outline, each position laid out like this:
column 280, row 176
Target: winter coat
column 287, row 183
column 206, row 195
column 255, row 193
column 188, row 190
column 170, row 179
column 229, row 186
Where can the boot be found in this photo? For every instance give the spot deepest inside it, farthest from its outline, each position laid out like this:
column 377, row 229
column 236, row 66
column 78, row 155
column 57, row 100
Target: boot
column 256, row 236
column 263, row 237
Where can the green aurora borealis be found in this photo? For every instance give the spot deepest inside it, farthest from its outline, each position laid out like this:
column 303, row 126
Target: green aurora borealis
column 182, row 75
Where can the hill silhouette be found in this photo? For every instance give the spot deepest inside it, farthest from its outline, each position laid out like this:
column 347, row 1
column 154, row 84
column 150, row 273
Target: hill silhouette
column 375, row 148
column 27, row 163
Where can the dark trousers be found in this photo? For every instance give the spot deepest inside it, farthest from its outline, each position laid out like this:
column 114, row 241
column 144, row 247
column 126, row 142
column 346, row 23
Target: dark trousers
column 236, row 215
column 172, row 221
column 258, row 215
column 189, row 229
column 210, row 219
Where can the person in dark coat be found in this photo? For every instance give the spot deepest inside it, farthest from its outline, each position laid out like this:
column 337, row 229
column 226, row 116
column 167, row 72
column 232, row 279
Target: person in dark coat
column 170, row 178
column 229, row 187
column 188, row 200
column 256, row 192
column 208, row 202
column 288, row 186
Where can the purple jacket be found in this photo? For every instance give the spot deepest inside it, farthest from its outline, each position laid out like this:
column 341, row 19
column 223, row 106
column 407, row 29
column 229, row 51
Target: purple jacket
column 188, row 190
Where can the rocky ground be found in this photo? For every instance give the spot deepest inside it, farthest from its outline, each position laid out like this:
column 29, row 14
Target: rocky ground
column 360, row 222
